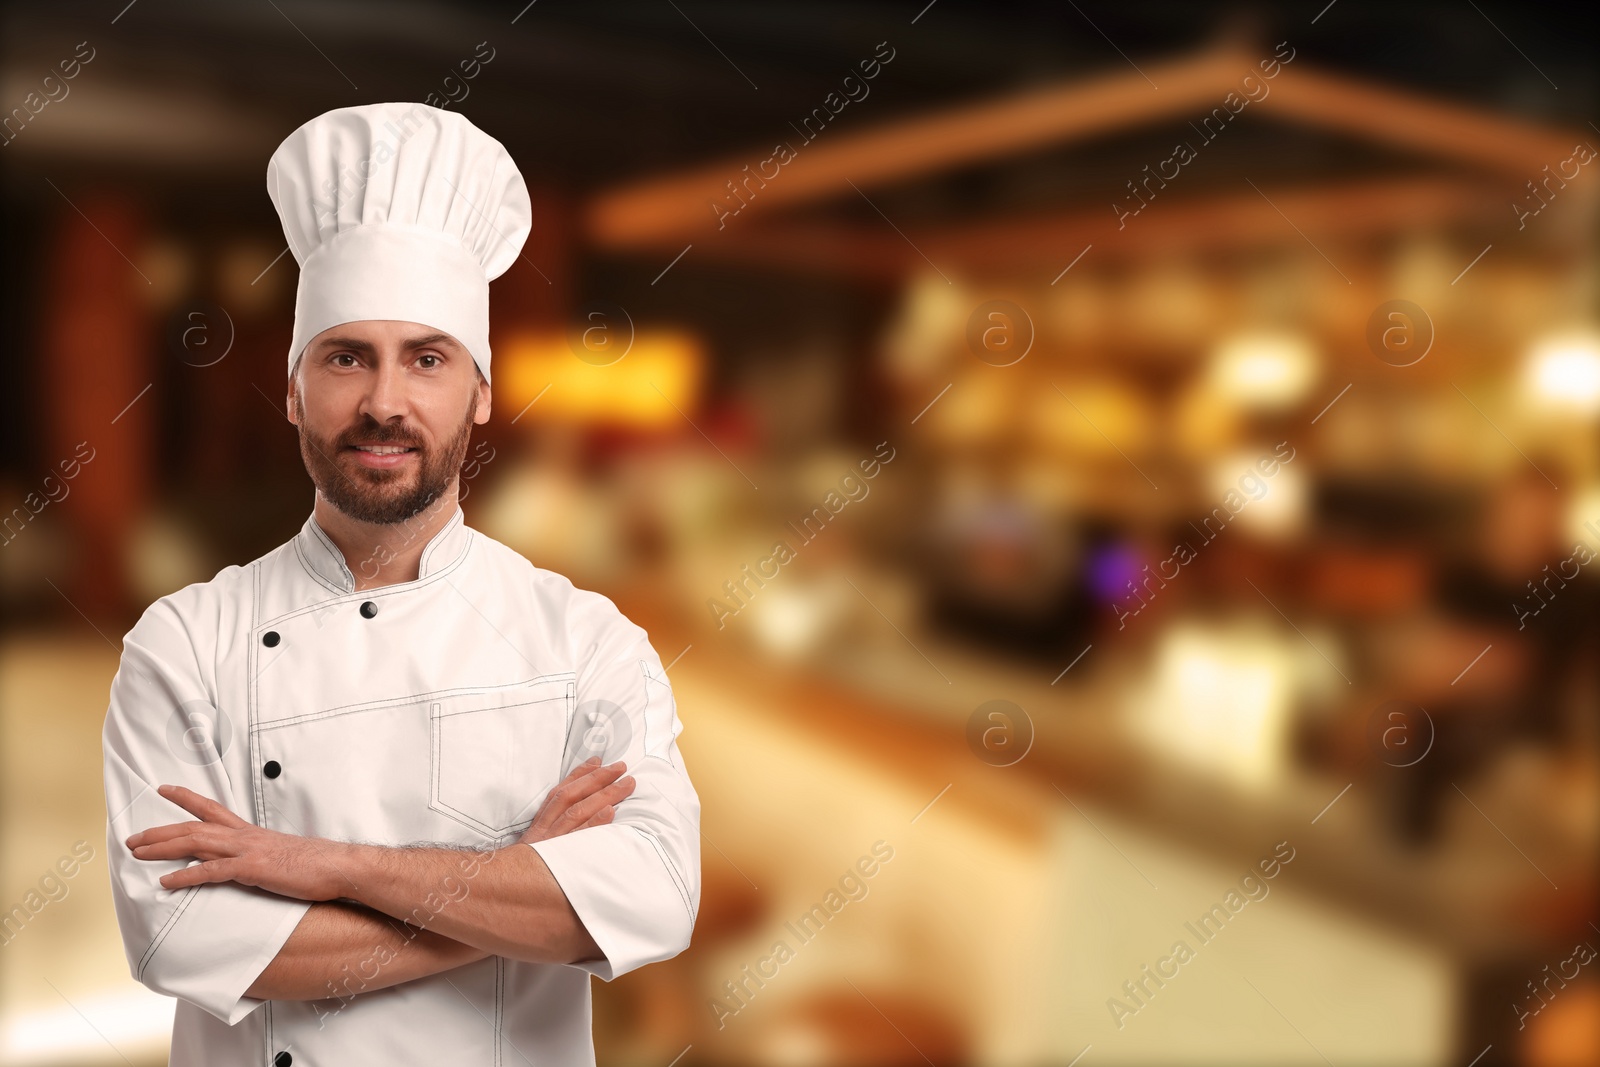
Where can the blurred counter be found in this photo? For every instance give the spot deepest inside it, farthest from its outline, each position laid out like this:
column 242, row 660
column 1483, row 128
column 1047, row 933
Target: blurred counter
column 1472, row 896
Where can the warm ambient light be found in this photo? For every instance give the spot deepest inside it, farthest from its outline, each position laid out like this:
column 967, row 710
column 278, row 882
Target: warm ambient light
column 1563, row 372
column 1264, row 369
column 652, row 386
column 1219, row 696
column 127, row 1018
column 1273, row 506
column 1583, row 516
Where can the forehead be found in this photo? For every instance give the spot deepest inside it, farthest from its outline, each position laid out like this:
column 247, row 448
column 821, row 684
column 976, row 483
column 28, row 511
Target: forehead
column 373, row 333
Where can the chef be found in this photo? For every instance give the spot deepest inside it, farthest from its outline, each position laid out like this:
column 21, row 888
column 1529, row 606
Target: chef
column 366, row 796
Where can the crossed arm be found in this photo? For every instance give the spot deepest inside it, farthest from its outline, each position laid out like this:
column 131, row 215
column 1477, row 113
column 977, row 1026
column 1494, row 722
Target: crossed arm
column 415, row 910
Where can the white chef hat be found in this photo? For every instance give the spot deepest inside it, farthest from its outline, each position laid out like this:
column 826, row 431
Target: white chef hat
column 398, row 211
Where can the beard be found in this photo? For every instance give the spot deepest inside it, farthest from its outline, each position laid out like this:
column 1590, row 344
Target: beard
column 381, row 497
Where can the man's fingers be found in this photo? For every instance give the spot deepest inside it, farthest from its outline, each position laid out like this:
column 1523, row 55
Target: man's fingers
column 587, row 789
column 199, row 806
column 580, row 813
column 162, row 833
column 600, row 818
column 572, row 785
column 583, row 807
column 576, row 786
column 176, row 849
column 199, row 874
column 581, row 769
column 597, row 778
column 206, row 843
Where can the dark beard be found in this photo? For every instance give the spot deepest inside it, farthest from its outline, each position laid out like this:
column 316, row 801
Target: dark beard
column 377, row 496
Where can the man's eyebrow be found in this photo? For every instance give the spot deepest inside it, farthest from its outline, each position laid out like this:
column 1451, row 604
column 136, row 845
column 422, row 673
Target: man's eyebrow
column 361, row 345
column 430, row 340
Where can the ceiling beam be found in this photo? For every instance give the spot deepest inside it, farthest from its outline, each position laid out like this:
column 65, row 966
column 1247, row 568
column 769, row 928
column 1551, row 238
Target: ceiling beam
column 678, row 204
column 1331, row 217
column 1425, row 125
column 678, row 207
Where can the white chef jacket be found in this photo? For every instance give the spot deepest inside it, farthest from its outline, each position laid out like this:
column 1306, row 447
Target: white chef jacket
column 438, row 710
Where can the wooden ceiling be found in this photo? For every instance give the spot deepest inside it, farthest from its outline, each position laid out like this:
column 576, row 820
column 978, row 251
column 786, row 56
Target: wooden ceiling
column 1486, row 158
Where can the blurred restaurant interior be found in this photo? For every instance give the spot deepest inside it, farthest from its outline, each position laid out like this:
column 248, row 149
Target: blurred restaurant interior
column 916, row 444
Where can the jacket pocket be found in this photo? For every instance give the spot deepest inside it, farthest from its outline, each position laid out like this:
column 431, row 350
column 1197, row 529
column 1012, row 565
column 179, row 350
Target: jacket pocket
column 496, row 755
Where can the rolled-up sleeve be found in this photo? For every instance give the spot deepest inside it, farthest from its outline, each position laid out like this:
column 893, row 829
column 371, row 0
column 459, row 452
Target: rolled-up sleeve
column 635, row 882
column 208, row 943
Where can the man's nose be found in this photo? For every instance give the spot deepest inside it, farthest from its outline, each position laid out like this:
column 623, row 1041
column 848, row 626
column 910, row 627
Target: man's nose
column 386, row 396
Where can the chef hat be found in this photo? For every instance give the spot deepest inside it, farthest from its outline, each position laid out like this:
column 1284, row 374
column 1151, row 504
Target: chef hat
column 398, row 211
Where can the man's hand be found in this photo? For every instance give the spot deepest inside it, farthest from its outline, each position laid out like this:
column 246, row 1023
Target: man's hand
column 233, row 850
column 309, row 868
column 586, row 797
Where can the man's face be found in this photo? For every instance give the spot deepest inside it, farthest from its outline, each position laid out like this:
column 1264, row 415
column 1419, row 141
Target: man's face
column 385, row 411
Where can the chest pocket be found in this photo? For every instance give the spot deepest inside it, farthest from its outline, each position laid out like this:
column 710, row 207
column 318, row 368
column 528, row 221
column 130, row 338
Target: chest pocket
column 496, row 755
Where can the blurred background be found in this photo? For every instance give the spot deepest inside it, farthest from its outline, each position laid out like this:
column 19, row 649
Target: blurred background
column 1094, row 452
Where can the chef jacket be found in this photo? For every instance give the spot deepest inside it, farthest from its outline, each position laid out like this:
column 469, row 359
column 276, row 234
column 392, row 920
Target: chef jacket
column 436, row 711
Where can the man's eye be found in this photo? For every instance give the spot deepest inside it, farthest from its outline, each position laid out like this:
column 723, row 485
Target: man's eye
column 429, row 355
column 344, row 355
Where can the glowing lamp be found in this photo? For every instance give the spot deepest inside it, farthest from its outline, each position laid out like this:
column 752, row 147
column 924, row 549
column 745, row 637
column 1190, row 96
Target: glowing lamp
column 1264, row 369
column 1563, row 372
column 652, row 385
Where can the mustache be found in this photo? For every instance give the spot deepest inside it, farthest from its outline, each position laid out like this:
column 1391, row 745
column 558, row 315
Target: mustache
column 379, row 435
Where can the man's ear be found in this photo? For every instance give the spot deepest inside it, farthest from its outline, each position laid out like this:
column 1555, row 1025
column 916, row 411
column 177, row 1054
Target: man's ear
column 289, row 399
column 485, row 398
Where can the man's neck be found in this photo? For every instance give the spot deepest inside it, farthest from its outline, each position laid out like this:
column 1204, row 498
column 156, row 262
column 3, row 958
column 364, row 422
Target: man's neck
column 379, row 554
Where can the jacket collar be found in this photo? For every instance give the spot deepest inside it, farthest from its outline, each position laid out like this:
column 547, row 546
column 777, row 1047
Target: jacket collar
column 322, row 558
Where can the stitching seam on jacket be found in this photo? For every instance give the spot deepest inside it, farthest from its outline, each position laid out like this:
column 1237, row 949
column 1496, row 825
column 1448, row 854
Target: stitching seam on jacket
column 672, row 871
column 166, row 928
column 419, row 698
column 379, row 593
column 315, row 574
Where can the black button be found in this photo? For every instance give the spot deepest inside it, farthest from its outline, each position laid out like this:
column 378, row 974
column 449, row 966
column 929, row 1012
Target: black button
column 368, row 610
column 272, row 770
column 270, row 639
column 282, row 1059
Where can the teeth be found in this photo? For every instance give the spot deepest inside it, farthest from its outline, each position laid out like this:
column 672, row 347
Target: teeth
column 382, row 450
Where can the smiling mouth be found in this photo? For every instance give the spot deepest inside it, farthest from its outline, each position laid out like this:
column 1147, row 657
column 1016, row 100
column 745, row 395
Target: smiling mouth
column 381, row 450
